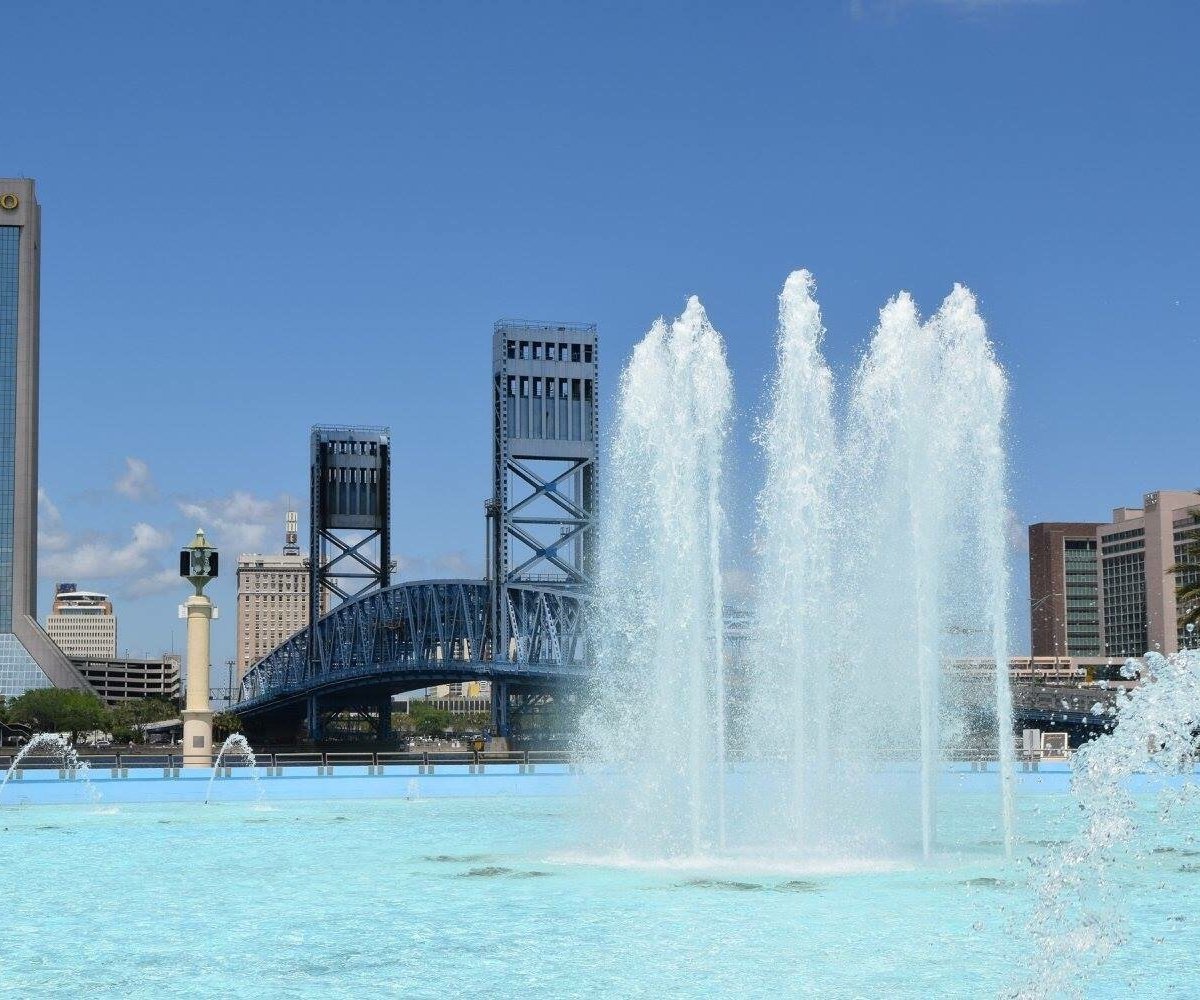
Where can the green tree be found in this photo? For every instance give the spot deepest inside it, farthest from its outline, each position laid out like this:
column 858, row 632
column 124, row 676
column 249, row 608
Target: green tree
column 428, row 720
column 60, row 710
column 227, row 723
column 471, row 722
column 1187, row 577
column 129, row 717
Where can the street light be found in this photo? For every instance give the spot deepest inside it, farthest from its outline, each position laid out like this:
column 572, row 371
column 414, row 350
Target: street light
column 198, row 565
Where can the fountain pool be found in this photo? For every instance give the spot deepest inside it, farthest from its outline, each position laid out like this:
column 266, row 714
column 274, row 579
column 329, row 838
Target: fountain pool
column 427, row 898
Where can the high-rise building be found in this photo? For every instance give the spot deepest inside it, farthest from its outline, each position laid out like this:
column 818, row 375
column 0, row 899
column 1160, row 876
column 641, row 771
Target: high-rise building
column 272, row 598
column 1111, row 580
column 82, row 624
column 1064, row 585
column 1138, row 608
column 28, row 657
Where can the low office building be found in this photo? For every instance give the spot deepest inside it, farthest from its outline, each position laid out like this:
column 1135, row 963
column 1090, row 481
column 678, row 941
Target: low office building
column 82, row 623
column 117, row 680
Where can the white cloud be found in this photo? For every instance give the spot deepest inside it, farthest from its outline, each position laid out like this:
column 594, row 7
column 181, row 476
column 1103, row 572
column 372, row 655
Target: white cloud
column 158, row 582
column 136, row 483
column 455, row 564
column 102, row 558
column 51, row 536
column 451, row 565
column 240, row 522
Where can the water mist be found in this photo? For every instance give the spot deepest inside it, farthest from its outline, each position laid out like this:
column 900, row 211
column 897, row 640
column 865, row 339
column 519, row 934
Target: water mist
column 881, row 556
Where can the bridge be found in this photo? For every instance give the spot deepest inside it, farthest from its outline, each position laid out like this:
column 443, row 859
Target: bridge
column 520, row 628
column 412, row 635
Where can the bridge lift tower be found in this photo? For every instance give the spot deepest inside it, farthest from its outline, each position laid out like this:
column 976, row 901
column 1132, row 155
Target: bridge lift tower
column 349, row 523
column 545, row 472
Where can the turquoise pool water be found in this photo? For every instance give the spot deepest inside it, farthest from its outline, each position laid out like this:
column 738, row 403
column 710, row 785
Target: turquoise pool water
column 477, row 897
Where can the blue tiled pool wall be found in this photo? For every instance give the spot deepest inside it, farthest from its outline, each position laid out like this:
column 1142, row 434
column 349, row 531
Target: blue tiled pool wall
column 391, row 781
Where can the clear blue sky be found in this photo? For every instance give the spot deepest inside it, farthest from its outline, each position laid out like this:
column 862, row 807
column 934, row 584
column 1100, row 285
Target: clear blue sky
column 261, row 216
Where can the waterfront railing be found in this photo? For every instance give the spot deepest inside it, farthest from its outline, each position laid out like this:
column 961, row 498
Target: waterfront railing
column 476, row 760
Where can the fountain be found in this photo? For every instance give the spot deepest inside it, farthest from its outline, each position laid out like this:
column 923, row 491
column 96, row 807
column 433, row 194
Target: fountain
column 1079, row 920
column 659, row 645
column 67, row 754
column 238, row 744
column 881, row 554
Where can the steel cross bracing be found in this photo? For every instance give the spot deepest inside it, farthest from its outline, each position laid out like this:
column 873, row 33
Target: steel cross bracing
column 350, row 515
column 572, row 522
column 545, row 462
column 423, row 632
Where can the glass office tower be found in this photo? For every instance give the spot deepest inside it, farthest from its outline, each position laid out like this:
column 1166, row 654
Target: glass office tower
column 28, row 658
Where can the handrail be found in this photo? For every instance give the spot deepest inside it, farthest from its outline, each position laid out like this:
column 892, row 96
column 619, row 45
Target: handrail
column 332, row 758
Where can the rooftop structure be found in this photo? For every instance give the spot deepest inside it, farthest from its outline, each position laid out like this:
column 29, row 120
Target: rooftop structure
column 82, row 623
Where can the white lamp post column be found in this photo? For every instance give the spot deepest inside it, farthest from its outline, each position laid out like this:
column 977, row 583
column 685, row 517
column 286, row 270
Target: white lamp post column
column 198, row 563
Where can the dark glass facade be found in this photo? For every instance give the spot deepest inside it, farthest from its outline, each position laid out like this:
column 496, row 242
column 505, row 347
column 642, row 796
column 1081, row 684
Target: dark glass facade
column 1081, row 597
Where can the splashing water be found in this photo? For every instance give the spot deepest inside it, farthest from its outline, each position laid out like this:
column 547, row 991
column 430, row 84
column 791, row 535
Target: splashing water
column 66, row 753
column 1079, row 921
column 881, row 554
column 659, row 708
column 924, row 571
column 796, row 623
column 240, row 746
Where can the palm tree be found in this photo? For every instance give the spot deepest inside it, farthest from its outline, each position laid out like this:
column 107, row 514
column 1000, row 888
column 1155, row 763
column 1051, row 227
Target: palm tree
column 1187, row 576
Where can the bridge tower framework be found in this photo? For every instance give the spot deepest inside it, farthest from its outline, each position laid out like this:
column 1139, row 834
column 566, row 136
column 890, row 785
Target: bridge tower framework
column 545, row 469
column 350, row 517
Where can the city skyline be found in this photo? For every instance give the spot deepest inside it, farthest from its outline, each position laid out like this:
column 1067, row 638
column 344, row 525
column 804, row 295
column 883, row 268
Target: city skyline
column 251, row 234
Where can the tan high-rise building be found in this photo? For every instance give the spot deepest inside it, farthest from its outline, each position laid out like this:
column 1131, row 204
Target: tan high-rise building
column 82, row 624
column 272, row 599
column 1138, row 610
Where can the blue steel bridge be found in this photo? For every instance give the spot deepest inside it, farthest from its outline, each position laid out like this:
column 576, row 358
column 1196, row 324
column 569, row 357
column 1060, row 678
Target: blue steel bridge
column 520, row 628
column 413, row 635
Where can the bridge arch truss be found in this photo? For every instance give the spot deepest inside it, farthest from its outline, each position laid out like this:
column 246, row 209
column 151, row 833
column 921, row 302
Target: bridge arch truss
column 417, row 634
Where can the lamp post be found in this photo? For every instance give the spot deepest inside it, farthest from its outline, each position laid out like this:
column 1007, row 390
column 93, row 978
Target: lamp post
column 198, row 565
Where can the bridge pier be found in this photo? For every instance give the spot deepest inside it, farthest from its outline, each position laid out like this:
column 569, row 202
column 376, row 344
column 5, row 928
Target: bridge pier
column 501, row 724
column 314, row 719
column 384, row 731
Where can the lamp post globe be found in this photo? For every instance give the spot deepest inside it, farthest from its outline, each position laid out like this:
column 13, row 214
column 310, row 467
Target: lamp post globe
column 198, row 562
column 198, row 565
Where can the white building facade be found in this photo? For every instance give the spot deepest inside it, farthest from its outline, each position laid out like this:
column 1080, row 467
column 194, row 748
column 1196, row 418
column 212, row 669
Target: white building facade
column 82, row 624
